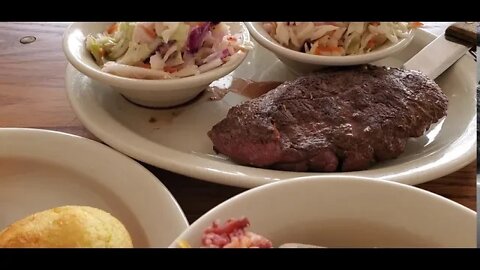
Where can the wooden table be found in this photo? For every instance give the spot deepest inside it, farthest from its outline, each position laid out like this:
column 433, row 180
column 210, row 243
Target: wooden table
column 32, row 95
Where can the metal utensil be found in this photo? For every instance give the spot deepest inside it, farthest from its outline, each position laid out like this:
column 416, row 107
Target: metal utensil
column 445, row 50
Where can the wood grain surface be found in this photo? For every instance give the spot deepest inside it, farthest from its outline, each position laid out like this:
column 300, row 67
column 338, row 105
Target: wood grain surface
column 32, row 95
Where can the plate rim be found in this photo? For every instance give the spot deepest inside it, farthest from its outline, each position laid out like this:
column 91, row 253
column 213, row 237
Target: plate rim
column 200, row 169
column 84, row 143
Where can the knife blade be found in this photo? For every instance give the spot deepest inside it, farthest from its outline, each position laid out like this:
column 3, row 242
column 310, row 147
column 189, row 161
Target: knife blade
column 444, row 51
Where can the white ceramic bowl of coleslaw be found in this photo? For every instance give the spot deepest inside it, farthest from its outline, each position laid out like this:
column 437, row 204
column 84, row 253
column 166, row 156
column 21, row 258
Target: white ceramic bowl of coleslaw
column 300, row 62
column 345, row 212
column 149, row 93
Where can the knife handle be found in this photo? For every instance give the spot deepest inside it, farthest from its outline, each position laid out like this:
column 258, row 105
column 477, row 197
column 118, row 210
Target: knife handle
column 463, row 32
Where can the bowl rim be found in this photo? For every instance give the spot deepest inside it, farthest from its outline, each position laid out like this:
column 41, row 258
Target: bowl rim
column 305, row 180
column 268, row 42
column 124, row 82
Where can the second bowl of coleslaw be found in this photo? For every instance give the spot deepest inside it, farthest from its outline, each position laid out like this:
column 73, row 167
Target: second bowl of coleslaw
column 310, row 46
column 157, row 64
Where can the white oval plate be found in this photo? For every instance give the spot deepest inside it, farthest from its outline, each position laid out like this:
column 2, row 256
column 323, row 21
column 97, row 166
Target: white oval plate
column 345, row 212
column 177, row 140
column 42, row 169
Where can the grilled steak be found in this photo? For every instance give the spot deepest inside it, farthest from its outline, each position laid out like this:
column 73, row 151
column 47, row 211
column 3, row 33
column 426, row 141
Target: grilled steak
column 339, row 119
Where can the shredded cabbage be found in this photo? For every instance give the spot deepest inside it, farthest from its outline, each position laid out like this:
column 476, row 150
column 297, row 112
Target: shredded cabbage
column 163, row 50
column 109, row 46
column 138, row 52
column 337, row 38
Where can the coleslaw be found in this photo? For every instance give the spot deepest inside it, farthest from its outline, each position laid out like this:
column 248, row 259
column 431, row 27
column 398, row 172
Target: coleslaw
column 338, row 38
column 164, row 50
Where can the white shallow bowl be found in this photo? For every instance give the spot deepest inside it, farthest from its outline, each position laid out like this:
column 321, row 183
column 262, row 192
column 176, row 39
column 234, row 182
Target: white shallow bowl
column 42, row 169
column 346, row 212
column 150, row 93
column 300, row 62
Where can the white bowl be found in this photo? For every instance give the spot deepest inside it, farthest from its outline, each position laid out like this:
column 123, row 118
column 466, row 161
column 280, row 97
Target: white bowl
column 300, row 62
column 150, row 93
column 346, row 212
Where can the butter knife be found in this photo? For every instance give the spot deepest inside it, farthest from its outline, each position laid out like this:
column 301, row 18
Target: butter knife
column 445, row 50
